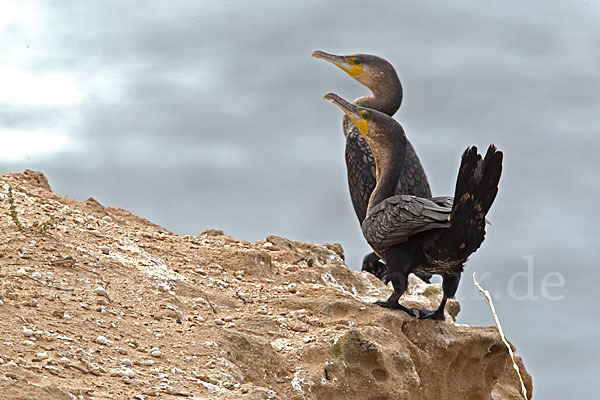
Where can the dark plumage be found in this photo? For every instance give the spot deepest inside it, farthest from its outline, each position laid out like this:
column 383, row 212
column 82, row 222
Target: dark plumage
column 380, row 77
column 413, row 234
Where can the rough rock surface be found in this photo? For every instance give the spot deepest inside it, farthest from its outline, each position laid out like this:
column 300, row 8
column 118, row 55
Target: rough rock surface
column 97, row 303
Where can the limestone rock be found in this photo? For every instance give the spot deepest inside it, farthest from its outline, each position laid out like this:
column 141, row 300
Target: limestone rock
column 216, row 317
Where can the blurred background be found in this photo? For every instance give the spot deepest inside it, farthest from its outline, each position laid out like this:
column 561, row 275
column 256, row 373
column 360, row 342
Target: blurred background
column 209, row 114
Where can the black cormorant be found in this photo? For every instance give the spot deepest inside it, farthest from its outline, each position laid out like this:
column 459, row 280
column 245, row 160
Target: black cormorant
column 380, row 77
column 411, row 233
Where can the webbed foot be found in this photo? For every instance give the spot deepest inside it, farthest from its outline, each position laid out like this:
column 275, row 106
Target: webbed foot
column 395, row 306
column 424, row 313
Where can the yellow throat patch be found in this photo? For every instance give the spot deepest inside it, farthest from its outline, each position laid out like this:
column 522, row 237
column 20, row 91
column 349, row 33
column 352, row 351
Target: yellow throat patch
column 361, row 124
column 353, row 70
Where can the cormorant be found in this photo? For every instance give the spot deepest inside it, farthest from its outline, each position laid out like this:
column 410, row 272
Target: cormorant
column 411, row 233
column 380, row 77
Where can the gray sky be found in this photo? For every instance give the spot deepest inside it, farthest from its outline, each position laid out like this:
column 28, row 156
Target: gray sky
column 203, row 114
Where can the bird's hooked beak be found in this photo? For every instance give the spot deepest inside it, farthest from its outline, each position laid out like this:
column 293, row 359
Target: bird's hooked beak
column 350, row 110
column 344, row 63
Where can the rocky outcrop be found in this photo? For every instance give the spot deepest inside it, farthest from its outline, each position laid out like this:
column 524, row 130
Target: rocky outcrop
column 100, row 303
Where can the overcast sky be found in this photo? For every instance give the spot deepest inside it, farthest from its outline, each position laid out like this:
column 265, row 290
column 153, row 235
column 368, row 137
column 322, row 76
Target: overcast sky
column 209, row 114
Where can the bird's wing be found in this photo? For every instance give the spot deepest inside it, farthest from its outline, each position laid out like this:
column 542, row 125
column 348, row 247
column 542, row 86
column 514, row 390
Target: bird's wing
column 413, row 179
column 443, row 201
column 396, row 219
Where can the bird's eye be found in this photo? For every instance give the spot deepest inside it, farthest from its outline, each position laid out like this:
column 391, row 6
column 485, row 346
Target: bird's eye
column 366, row 115
column 356, row 61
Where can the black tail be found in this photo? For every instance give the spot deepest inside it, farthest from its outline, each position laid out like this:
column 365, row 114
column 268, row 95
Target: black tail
column 488, row 178
column 476, row 189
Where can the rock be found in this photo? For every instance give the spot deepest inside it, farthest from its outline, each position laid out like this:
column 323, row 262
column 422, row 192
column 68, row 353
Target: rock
column 212, row 232
column 217, row 316
column 122, row 372
column 292, row 288
column 102, row 302
column 155, row 352
column 101, row 340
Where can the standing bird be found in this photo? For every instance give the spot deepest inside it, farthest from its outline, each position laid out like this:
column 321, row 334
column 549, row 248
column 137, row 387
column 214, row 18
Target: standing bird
column 380, row 77
column 410, row 233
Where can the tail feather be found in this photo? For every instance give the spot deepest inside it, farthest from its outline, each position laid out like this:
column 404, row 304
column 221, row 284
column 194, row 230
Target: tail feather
column 465, row 183
column 478, row 178
column 476, row 189
column 490, row 177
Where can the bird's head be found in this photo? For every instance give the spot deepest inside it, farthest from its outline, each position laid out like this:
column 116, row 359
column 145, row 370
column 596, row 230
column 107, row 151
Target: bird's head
column 375, row 126
column 372, row 71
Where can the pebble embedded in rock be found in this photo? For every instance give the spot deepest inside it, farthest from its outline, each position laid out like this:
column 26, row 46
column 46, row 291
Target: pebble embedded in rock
column 64, row 360
column 106, row 218
column 101, row 340
column 100, row 291
column 292, row 288
column 155, row 352
column 42, row 356
column 27, row 332
column 228, row 318
column 127, row 362
column 127, row 372
column 219, row 321
column 21, row 272
column 30, row 303
column 105, row 250
column 36, row 275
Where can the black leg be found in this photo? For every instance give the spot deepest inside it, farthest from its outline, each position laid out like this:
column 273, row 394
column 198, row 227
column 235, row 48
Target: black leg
column 398, row 264
column 372, row 264
column 449, row 287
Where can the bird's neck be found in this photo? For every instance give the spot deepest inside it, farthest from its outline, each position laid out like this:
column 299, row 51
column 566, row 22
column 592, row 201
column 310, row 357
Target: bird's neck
column 387, row 96
column 388, row 164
